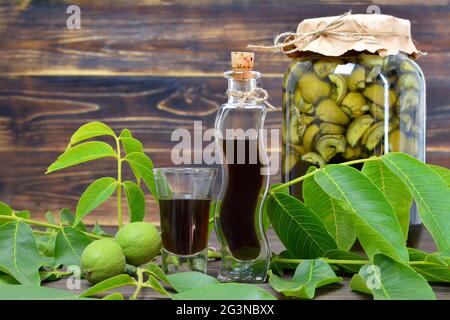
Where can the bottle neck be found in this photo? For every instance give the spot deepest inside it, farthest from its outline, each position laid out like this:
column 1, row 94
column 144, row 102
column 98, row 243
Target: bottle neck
column 247, row 85
column 242, row 82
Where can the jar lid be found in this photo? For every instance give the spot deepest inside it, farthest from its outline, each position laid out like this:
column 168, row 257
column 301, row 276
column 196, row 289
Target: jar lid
column 334, row 36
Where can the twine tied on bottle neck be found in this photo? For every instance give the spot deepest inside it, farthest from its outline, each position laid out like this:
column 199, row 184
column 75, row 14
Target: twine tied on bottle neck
column 258, row 95
column 301, row 39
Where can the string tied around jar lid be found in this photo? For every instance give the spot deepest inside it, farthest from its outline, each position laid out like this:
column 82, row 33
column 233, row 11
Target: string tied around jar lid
column 292, row 42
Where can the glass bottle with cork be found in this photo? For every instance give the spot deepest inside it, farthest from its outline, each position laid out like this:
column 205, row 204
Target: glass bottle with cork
column 245, row 175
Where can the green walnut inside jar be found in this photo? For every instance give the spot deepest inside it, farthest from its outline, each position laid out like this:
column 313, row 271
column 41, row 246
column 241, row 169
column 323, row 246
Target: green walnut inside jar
column 342, row 104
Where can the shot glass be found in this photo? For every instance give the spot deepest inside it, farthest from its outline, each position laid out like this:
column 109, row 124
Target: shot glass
column 184, row 202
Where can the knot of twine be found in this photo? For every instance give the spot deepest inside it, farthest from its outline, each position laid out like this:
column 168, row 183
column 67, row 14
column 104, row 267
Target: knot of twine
column 258, row 95
column 302, row 39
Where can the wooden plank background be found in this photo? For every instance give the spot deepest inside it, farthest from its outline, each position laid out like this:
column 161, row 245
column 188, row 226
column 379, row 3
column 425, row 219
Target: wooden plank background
column 153, row 66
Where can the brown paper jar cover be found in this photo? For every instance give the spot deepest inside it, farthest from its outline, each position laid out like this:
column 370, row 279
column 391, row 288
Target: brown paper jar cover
column 336, row 35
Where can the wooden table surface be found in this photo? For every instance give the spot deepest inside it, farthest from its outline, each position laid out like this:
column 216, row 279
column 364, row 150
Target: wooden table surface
column 335, row 291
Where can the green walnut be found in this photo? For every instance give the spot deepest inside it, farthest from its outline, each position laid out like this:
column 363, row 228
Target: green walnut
column 357, row 129
column 301, row 105
column 390, row 63
column 298, row 99
column 373, row 74
column 352, row 153
column 313, row 88
column 101, row 260
column 408, row 100
column 308, row 137
column 354, row 104
column 330, row 144
column 305, row 120
column 357, row 79
column 407, row 66
column 330, row 128
column 294, row 137
column 307, row 108
column 297, row 127
column 406, row 122
column 408, row 81
column 396, row 139
column 340, row 83
column 300, row 68
column 370, row 60
column 372, row 137
column 296, row 69
column 324, row 67
column 290, row 162
column 375, row 93
column 314, row 158
column 329, row 111
column 140, row 242
column 298, row 149
column 376, row 111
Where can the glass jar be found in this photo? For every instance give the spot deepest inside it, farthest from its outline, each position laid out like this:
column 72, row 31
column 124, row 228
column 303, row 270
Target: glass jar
column 351, row 107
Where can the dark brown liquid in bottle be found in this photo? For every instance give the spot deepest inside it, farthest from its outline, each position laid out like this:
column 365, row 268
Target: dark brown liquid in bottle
column 184, row 225
column 239, row 204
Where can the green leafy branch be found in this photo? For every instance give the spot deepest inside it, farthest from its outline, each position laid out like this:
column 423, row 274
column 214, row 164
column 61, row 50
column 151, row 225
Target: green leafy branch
column 34, row 251
column 38, row 251
column 39, row 247
column 11, row 215
column 362, row 261
column 179, row 286
column 283, row 186
column 79, row 151
column 342, row 204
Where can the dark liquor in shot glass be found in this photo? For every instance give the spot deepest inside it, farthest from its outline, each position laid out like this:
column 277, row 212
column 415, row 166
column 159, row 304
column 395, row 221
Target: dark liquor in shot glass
column 184, row 203
column 184, row 225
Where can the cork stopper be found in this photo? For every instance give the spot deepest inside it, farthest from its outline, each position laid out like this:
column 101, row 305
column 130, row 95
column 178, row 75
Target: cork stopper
column 242, row 61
